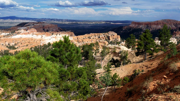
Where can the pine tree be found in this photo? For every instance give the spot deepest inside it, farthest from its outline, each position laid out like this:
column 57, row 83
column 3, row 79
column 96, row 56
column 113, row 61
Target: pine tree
column 146, row 43
column 65, row 53
column 164, row 36
column 131, row 41
column 27, row 73
column 124, row 58
column 87, row 51
column 115, row 80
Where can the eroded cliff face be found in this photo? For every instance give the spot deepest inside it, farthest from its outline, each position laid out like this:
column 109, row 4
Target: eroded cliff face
column 39, row 26
column 137, row 28
column 101, row 38
column 23, row 39
column 173, row 24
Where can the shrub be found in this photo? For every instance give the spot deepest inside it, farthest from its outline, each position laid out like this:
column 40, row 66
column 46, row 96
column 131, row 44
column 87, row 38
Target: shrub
column 125, row 80
column 176, row 89
column 173, row 67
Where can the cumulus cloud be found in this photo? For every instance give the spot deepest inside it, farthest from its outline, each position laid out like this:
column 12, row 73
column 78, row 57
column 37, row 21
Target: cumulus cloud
column 120, row 11
column 50, row 9
column 82, row 11
column 25, row 8
column 85, row 3
column 64, row 4
column 13, row 5
column 7, row 3
column 94, row 3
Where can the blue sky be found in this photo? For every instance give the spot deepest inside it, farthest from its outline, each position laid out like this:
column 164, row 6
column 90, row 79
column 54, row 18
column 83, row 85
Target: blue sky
column 137, row 10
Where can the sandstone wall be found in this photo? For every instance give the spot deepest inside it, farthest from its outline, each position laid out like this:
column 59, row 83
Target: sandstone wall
column 101, row 38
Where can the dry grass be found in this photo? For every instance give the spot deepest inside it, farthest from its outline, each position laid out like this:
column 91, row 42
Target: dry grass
column 173, row 67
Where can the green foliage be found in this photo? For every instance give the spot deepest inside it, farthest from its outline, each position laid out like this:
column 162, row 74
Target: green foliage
column 11, row 47
column 131, row 41
column 90, row 71
column 98, row 66
column 176, row 89
column 26, row 70
column 136, row 73
column 173, row 51
column 115, row 80
column 106, row 79
column 97, row 48
column 124, row 58
column 126, row 80
column 146, row 43
column 164, row 36
column 43, row 50
column 104, row 52
column 88, row 51
column 54, row 95
column 83, row 87
column 107, row 68
column 65, row 53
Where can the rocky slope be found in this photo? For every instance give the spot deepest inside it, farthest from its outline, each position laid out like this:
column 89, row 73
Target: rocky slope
column 159, row 81
column 173, row 24
column 23, row 39
column 101, row 38
column 39, row 26
column 137, row 28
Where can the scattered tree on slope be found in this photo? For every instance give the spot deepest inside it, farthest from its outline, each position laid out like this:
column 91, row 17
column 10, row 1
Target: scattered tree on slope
column 164, row 36
column 65, row 53
column 131, row 41
column 27, row 73
column 146, row 43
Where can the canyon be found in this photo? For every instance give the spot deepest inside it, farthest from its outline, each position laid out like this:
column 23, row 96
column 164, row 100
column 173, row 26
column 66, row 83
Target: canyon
column 28, row 35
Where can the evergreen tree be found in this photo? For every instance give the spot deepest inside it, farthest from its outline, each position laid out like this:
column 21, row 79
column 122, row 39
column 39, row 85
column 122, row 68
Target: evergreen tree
column 87, row 51
column 115, row 80
column 97, row 48
column 104, row 52
column 65, row 53
column 43, row 50
column 124, row 58
column 131, row 41
column 28, row 74
column 146, row 43
column 164, row 36
column 90, row 71
column 106, row 80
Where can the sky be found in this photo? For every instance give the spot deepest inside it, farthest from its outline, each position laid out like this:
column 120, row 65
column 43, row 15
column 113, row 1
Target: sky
column 136, row 10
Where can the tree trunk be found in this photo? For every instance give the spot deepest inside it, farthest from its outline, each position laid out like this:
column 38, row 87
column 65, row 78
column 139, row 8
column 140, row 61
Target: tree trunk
column 32, row 97
column 145, row 54
column 66, row 67
column 104, row 93
column 114, row 88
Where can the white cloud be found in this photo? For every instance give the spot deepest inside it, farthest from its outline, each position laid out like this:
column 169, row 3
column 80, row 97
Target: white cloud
column 118, row 11
column 83, row 10
column 7, row 3
column 50, row 9
column 25, row 8
column 64, row 4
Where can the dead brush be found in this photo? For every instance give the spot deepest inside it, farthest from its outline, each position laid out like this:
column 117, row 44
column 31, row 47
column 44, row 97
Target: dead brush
column 173, row 67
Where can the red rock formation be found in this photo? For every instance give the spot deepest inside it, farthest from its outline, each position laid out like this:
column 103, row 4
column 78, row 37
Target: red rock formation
column 39, row 26
column 173, row 24
column 96, row 37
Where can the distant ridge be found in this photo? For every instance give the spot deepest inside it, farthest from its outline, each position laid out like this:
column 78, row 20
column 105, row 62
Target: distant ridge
column 62, row 20
column 39, row 26
column 137, row 28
